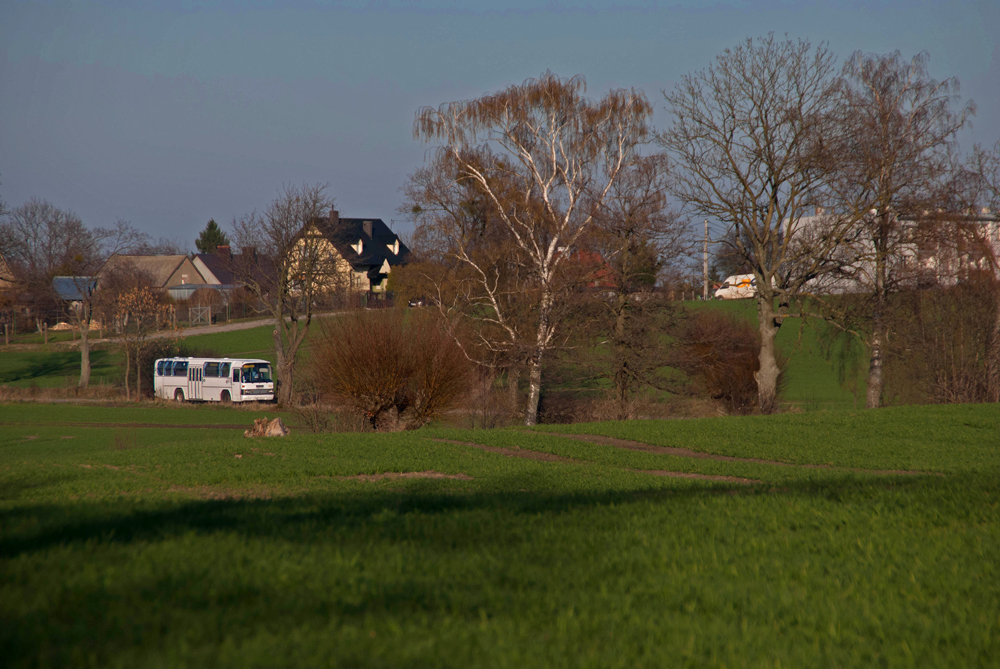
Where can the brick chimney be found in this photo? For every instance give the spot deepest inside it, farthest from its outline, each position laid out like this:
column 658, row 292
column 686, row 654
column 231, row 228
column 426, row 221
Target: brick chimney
column 334, row 217
column 367, row 225
column 223, row 251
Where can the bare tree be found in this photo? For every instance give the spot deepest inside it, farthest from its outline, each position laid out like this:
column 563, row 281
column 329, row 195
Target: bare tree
column 468, row 267
column 637, row 235
column 41, row 241
column 161, row 247
column 748, row 139
column 106, row 242
column 543, row 156
column 891, row 167
column 285, row 269
column 130, row 308
column 984, row 169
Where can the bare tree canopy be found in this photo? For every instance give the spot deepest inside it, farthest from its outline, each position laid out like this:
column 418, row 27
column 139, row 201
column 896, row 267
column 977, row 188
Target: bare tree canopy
column 40, row 241
column 984, row 166
column 281, row 265
column 121, row 238
column 748, row 141
column 542, row 157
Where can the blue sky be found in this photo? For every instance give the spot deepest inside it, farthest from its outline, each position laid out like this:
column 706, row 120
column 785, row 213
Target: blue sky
column 168, row 114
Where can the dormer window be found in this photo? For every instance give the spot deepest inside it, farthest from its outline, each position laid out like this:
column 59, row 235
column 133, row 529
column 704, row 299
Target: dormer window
column 359, row 247
column 394, row 247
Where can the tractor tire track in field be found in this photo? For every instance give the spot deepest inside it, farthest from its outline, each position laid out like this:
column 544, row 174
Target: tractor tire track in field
column 699, row 455
column 513, row 453
column 57, row 423
column 550, row 457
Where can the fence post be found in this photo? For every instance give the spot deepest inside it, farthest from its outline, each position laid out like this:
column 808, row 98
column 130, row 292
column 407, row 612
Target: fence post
column 45, row 332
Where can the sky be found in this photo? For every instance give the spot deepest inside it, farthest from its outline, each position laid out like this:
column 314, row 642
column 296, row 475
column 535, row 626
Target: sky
column 167, row 114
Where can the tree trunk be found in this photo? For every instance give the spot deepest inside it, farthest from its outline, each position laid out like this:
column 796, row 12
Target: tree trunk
column 622, row 377
column 128, row 372
column 875, row 377
column 767, row 375
column 535, row 364
column 513, row 380
column 534, row 389
column 993, row 353
column 84, row 353
column 879, row 335
column 138, row 376
column 283, row 370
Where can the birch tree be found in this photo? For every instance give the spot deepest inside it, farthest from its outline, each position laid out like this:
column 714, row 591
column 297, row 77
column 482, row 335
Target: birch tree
column 748, row 146
column 891, row 169
column 544, row 157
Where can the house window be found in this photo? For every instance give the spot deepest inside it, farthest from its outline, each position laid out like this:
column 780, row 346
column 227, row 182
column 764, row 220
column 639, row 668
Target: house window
column 359, row 247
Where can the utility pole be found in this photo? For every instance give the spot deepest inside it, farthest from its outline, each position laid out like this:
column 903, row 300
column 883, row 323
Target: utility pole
column 704, row 290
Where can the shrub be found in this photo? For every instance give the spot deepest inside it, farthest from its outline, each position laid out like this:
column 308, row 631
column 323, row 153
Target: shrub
column 723, row 352
column 398, row 372
column 940, row 344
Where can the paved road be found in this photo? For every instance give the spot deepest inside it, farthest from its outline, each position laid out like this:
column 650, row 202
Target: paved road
column 182, row 332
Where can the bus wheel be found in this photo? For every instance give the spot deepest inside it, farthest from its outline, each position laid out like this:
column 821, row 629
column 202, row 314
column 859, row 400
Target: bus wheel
column 226, row 397
column 179, row 395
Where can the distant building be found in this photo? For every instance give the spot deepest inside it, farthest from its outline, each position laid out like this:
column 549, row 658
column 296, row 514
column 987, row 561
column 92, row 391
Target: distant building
column 7, row 279
column 940, row 250
column 216, row 268
column 165, row 271
column 74, row 289
column 362, row 251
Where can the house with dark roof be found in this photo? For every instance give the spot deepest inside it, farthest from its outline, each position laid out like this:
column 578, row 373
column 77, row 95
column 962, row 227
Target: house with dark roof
column 216, row 268
column 7, row 279
column 364, row 250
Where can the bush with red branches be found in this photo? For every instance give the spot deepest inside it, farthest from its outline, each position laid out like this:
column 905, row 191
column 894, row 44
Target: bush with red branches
column 399, row 372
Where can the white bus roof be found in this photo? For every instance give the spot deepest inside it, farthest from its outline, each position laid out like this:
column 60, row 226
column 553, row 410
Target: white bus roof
column 197, row 360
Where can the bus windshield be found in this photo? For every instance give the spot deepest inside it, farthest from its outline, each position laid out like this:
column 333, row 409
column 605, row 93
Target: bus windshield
column 258, row 372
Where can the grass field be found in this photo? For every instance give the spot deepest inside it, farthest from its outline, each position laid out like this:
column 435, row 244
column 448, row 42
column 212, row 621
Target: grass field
column 182, row 543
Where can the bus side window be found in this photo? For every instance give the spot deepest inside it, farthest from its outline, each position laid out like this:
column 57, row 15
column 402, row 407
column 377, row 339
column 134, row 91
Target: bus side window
column 236, row 375
column 224, row 370
column 212, row 370
column 159, row 368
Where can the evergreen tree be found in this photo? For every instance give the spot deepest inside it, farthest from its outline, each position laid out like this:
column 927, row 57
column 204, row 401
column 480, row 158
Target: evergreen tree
column 211, row 237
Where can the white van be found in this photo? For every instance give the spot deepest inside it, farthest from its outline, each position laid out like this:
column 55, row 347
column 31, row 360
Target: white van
column 737, row 287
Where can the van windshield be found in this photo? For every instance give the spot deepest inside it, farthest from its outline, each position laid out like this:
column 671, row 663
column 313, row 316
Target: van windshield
column 259, row 372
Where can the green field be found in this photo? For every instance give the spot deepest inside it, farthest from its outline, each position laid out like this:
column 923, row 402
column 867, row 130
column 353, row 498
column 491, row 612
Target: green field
column 182, row 543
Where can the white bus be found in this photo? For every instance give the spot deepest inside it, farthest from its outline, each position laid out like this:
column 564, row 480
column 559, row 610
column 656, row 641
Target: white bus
column 213, row 379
